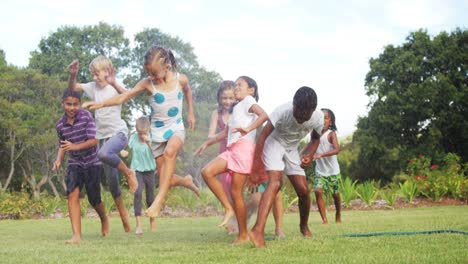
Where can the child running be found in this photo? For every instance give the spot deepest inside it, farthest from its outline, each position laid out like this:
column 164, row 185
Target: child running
column 277, row 146
column 144, row 165
column 111, row 128
column 166, row 89
column 327, row 169
column 246, row 117
column 77, row 134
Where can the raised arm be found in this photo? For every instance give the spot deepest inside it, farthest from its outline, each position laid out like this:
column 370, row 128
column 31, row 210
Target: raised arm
column 188, row 97
column 73, row 71
column 110, row 78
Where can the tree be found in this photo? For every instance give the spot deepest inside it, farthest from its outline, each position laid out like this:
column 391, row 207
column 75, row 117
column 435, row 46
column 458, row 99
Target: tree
column 29, row 108
column 59, row 49
column 419, row 99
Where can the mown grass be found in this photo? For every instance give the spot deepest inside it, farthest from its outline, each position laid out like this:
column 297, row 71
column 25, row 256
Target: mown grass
column 198, row 240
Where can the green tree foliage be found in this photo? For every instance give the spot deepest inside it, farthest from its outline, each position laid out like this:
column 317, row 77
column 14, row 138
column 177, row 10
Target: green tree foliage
column 58, row 50
column 418, row 104
column 29, row 108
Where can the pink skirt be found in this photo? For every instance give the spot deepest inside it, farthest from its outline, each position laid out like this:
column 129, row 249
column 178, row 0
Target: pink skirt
column 239, row 156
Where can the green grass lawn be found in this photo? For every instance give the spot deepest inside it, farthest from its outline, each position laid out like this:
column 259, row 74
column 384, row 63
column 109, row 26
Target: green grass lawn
column 198, row 240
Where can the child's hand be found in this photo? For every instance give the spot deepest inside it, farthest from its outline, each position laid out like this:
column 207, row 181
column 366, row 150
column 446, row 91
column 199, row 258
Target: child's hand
column 145, row 138
column 91, row 105
column 123, row 153
column 110, row 77
column 316, row 157
column 191, row 121
column 200, row 149
column 241, row 130
column 67, row 145
column 73, row 67
column 305, row 161
column 56, row 165
column 252, row 187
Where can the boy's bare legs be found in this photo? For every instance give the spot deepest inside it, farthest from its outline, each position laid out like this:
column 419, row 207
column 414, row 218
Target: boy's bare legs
column 166, row 172
column 123, row 213
column 321, row 205
column 209, row 172
column 238, row 182
column 302, row 190
column 101, row 211
column 138, row 228
column 152, row 224
column 257, row 233
column 131, row 176
column 278, row 212
column 337, row 199
column 75, row 216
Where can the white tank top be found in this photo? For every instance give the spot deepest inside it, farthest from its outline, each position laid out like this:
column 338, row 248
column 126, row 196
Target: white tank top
column 166, row 113
column 326, row 166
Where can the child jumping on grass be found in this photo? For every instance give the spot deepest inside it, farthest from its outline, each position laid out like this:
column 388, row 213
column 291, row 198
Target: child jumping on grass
column 77, row 134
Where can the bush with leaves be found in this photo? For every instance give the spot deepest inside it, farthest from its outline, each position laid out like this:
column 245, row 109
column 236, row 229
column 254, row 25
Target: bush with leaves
column 367, row 192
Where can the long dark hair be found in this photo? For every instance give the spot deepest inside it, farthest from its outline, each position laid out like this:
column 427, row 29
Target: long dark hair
column 223, row 86
column 332, row 119
column 251, row 83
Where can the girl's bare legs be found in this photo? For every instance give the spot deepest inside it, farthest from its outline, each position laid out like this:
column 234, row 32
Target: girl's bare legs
column 278, row 215
column 75, row 216
column 186, row 182
column 166, row 173
column 123, row 212
column 152, row 224
column 238, row 182
column 209, row 172
column 321, row 205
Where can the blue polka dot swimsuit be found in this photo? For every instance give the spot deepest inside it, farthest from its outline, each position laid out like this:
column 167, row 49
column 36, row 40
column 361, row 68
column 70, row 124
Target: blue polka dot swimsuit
column 166, row 113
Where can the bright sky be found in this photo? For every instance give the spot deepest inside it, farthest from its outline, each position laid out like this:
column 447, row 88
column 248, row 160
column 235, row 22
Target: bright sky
column 282, row 44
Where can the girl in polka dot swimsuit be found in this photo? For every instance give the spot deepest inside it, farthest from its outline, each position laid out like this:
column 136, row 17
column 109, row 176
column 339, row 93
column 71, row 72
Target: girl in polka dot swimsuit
column 166, row 89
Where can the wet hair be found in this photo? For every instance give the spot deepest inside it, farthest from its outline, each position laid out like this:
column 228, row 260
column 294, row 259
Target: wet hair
column 164, row 56
column 251, row 83
column 332, row 119
column 223, row 86
column 100, row 63
column 69, row 93
column 142, row 123
column 305, row 98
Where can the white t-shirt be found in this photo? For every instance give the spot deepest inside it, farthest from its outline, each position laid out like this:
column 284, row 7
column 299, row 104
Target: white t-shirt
column 329, row 165
column 241, row 117
column 287, row 131
column 108, row 119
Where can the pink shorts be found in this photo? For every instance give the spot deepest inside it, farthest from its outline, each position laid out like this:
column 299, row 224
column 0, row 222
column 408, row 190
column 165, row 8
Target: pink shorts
column 239, row 156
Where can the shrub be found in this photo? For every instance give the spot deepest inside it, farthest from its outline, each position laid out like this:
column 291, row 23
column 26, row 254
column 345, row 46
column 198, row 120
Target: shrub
column 409, row 190
column 348, row 190
column 367, row 192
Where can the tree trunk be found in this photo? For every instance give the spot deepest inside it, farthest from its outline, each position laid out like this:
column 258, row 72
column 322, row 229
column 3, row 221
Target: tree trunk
column 13, row 159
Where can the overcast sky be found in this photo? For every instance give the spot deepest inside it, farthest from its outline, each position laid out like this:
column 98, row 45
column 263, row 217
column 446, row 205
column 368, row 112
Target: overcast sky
column 282, row 44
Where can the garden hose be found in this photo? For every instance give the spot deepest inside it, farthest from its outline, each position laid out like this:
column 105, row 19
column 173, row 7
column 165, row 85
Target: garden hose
column 406, row 233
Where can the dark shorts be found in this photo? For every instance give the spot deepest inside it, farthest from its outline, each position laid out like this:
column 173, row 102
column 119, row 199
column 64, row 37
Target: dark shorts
column 90, row 178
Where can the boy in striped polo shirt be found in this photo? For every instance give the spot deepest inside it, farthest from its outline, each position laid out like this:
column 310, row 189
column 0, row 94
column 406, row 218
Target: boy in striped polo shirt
column 77, row 134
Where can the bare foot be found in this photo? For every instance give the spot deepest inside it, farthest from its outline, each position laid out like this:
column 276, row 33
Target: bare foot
column 73, row 240
column 257, row 239
column 152, row 225
column 125, row 223
column 280, row 234
column 325, row 222
column 132, row 181
column 305, row 231
column 227, row 215
column 139, row 230
column 105, row 227
column 191, row 185
column 241, row 240
column 338, row 219
column 154, row 209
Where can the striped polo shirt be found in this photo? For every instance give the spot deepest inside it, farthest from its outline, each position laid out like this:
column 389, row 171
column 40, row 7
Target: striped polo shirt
column 83, row 128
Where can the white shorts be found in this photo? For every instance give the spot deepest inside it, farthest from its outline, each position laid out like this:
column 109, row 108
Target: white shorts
column 158, row 147
column 277, row 158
